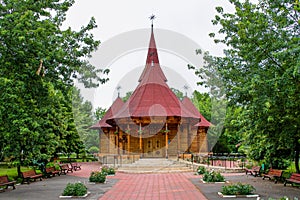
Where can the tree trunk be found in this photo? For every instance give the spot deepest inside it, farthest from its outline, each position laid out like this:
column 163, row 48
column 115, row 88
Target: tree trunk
column 297, row 150
column 19, row 167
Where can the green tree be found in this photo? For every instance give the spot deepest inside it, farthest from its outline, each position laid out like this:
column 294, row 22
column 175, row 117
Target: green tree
column 127, row 96
column 178, row 93
column 84, row 118
column 203, row 103
column 260, row 72
column 39, row 62
column 100, row 112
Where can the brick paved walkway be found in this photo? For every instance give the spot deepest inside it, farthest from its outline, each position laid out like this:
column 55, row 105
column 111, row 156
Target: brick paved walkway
column 153, row 186
column 147, row 186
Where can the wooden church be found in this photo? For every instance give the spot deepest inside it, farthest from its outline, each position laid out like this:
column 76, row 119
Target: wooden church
column 153, row 122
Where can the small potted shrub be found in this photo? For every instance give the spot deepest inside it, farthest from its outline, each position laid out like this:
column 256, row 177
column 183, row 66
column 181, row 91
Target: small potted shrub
column 213, row 176
column 97, row 177
column 201, row 170
column 238, row 189
column 108, row 170
column 75, row 190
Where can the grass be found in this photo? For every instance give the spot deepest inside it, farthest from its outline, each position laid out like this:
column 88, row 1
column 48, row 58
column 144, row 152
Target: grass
column 12, row 172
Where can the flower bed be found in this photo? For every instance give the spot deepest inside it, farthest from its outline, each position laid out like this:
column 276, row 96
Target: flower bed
column 97, row 177
column 238, row 190
column 74, row 190
column 108, row 170
column 212, row 177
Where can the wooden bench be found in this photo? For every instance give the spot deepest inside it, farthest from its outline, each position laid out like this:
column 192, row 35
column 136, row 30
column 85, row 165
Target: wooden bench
column 51, row 171
column 76, row 166
column 295, row 178
column 255, row 171
column 4, row 181
column 65, row 168
column 28, row 175
column 273, row 174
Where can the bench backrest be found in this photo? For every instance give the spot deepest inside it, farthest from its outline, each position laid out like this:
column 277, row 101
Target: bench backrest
column 256, row 168
column 50, row 169
column 295, row 176
column 74, row 164
column 4, row 179
column 275, row 172
column 28, row 173
column 64, row 166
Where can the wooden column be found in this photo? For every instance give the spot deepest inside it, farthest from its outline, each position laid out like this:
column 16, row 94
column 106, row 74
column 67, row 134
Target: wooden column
column 128, row 143
column 140, row 133
column 128, row 139
column 178, row 139
column 189, row 143
column 167, row 143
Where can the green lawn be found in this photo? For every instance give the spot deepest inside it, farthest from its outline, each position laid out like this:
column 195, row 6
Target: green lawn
column 12, row 172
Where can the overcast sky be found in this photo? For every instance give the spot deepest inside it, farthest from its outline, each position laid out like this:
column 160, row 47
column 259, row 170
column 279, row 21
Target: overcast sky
column 115, row 19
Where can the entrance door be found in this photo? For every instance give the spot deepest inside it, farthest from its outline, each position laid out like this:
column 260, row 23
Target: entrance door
column 153, row 146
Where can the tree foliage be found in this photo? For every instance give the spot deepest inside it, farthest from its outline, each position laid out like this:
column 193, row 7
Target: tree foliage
column 260, row 72
column 39, row 63
column 84, row 118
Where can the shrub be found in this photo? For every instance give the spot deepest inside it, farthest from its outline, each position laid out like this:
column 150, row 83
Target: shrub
column 76, row 189
column 238, row 189
column 108, row 170
column 93, row 149
column 201, row 170
column 213, row 176
column 97, row 177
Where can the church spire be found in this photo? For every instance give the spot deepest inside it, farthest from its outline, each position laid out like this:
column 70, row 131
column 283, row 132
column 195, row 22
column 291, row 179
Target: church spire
column 152, row 68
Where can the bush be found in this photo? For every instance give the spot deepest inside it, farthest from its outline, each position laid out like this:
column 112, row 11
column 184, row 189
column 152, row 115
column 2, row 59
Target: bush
column 97, row 177
column 108, row 170
column 201, row 170
column 76, row 189
column 93, row 150
column 213, row 176
column 238, row 189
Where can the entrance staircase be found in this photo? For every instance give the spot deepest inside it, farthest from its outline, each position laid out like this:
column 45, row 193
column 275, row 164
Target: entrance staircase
column 154, row 165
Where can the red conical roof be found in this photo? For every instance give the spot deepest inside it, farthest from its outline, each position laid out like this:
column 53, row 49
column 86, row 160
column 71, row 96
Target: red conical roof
column 114, row 108
column 191, row 107
column 152, row 72
column 153, row 97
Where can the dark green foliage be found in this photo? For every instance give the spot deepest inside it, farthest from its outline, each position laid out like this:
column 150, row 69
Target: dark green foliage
column 100, row 112
column 260, row 74
column 39, row 63
column 201, row 170
column 237, row 189
column 213, row 176
column 108, row 170
column 76, row 189
column 98, row 177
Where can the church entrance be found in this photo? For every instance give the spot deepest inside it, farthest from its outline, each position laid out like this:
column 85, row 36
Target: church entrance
column 153, row 146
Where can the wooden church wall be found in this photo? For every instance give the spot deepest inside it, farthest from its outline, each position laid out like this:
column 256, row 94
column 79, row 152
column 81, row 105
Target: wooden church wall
column 178, row 142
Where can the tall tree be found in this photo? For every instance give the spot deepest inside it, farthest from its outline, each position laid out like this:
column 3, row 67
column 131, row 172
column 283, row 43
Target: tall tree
column 84, row 118
column 39, row 62
column 261, row 71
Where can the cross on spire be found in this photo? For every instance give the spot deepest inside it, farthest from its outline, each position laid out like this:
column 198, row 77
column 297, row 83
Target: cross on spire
column 152, row 17
column 186, row 87
column 118, row 89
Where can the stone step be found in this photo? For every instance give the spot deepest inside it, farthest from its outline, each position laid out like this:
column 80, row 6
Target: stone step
column 154, row 166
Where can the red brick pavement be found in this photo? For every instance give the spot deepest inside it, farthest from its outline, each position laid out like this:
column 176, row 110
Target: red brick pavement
column 154, row 186
column 147, row 186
